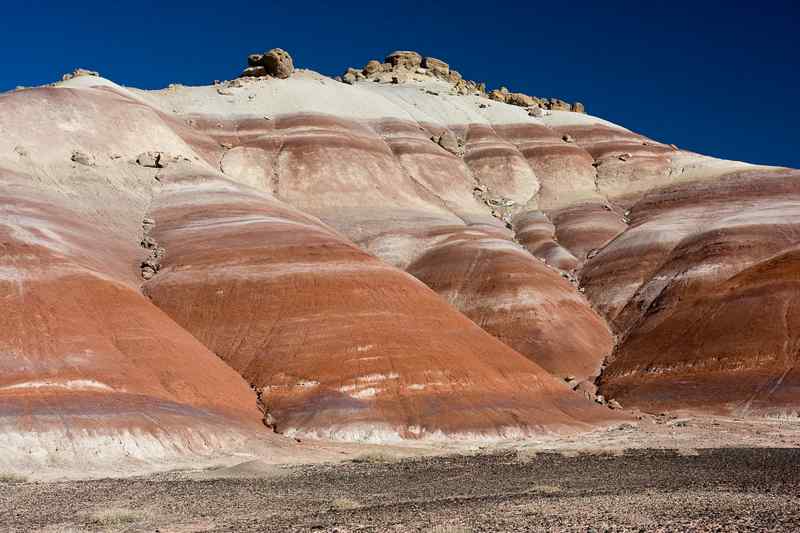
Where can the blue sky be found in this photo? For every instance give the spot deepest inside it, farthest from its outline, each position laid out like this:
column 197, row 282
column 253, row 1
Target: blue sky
column 720, row 78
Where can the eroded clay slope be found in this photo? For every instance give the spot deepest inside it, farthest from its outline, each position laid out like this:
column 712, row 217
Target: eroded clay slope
column 400, row 258
column 702, row 290
column 93, row 374
column 464, row 181
column 339, row 344
column 375, row 163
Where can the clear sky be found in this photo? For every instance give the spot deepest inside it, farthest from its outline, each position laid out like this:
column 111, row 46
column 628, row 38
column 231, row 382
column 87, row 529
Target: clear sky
column 721, row 78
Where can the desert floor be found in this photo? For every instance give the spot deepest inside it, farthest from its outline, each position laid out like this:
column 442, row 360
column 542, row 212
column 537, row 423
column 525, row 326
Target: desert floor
column 662, row 473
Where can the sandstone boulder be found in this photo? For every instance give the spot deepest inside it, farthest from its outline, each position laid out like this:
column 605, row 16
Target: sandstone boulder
column 83, row 158
column 558, row 105
column 498, row 96
column 278, row 63
column 351, row 76
column 448, row 140
column 253, row 72
column 149, row 159
column 588, row 388
column 521, row 99
column 77, row 73
column 535, row 111
column 578, row 107
column 463, row 87
column 373, row 67
column 255, row 60
column 437, row 67
column 404, row 59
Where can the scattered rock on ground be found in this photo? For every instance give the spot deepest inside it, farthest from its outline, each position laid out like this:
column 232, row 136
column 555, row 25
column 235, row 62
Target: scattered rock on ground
column 149, row 159
column 448, row 140
column 83, row 158
column 587, row 388
column 535, row 111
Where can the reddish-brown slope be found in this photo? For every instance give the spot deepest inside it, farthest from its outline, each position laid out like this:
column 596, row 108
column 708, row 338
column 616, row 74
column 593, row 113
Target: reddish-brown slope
column 342, row 345
column 411, row 202
column 519, row 300
column 700, row 291
column 91, row 372
column 732, row 346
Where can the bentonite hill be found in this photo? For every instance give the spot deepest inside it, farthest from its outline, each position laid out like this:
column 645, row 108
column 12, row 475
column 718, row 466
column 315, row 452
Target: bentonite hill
column 397, row 255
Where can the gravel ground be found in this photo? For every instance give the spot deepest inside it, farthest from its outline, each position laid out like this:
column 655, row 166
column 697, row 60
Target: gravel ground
column 732, row 489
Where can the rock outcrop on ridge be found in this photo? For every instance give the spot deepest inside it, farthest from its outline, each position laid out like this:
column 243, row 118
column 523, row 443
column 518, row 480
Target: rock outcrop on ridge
column 276, row 63
column 399, row 256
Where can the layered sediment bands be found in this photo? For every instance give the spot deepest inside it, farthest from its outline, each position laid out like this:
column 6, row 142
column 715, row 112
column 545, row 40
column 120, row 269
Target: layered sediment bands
column 564, row 170
column 690, row 259
column 441, row 173
column 91, row 373
column 627, row 163
column 733, row 347
column 585, row 228
column 537, row 234
column 420, row 187
column 341, row 344
column 498, row 165
column 519, row 300
column 345, row 173
column 686, row 289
